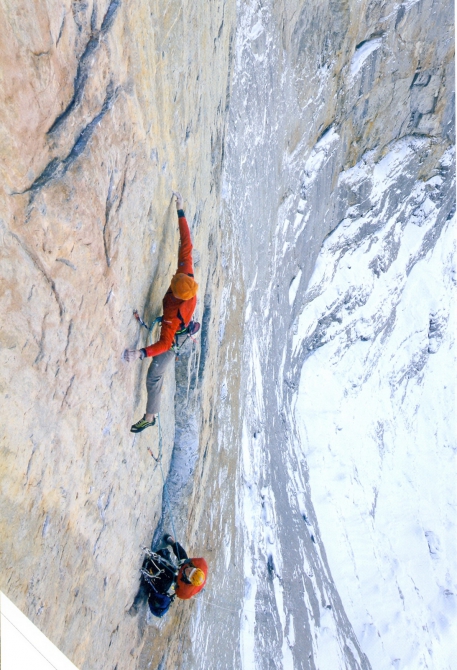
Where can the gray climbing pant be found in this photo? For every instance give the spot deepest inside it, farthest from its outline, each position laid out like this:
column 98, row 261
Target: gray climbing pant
column 154, row 379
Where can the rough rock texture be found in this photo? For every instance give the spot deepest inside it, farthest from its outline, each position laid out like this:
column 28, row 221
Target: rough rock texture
column 286, row 109
column 106, row 107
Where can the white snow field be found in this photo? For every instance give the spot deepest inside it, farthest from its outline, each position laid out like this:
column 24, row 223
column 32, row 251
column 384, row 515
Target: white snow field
column 375, row 415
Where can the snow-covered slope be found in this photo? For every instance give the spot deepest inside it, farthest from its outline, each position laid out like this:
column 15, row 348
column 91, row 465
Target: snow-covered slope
column 375, row 412
column 339, row 194
column 348, row 470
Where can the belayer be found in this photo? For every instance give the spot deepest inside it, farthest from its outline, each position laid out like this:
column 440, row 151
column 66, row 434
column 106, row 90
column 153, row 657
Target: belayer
column 178, row 307
column 164, row 579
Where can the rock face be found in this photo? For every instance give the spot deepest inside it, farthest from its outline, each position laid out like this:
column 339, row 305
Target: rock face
column 106, row 107
column 305, row 137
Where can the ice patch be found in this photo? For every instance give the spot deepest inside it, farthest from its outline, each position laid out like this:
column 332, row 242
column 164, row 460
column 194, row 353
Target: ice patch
column 293, row 288
column 362, row 53
column 256, row 31
column 319, row 154
column 298, row 219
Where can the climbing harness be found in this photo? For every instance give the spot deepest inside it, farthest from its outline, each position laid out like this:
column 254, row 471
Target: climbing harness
column 190, row 330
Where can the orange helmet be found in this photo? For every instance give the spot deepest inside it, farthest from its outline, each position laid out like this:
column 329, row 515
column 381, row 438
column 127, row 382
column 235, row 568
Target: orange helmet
column 183, row 286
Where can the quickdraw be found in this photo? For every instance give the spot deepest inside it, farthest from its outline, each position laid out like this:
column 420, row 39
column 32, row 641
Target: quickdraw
column 142, row 323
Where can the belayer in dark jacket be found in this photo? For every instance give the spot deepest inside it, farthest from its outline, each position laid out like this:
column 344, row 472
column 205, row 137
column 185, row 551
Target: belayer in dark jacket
column 178, row 307
column 165, row 579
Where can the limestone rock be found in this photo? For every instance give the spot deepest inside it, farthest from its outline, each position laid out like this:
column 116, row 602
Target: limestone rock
column 106, row 107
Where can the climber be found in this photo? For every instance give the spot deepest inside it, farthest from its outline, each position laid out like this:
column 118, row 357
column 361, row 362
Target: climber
column 192, row 573
column 164, row 581
column 178, row 307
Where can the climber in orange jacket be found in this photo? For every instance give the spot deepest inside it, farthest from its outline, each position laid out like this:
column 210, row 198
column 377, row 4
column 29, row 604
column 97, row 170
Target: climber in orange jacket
column 163, row 580
column 191, row 577
column 178, row 307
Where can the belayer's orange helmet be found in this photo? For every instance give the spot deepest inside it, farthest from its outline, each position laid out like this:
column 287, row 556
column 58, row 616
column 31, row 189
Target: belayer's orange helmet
column 183, row 286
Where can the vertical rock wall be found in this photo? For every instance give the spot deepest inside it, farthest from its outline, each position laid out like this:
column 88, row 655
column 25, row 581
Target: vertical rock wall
column 106, row 106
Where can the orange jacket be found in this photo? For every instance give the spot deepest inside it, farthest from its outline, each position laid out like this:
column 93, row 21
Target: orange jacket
column 185, row 590
column 173, row 307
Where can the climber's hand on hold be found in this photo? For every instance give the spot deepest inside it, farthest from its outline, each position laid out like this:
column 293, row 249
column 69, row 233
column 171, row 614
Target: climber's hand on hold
column 131, row 355
column 179, row 200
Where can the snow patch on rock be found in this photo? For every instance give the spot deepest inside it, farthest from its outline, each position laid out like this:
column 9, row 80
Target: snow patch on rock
column 362, row 52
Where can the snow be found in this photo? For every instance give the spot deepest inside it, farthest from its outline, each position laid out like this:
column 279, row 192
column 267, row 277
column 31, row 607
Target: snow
column 259, row 524
column 362, row 53
column 359, row 472
column 387, row 170
column 293, row 288
column 327, row 655
column 256, row 30
column 375, row 414
column 251, row 512
column 260, row 528
column 319, row 154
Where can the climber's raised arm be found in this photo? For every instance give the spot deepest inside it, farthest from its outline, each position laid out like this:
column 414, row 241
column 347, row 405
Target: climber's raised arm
column 185, row 264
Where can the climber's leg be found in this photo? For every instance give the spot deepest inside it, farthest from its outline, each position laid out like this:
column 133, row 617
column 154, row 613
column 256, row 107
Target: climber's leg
column 154, row 381
column 178, row 550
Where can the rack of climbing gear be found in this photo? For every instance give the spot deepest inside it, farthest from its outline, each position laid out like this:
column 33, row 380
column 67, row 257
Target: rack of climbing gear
column 191, row 330
column 154, row 556
column 155, row 566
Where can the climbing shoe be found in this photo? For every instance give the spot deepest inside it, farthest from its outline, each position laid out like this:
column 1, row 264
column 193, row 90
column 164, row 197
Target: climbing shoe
column 168, row 539
column 141, row 425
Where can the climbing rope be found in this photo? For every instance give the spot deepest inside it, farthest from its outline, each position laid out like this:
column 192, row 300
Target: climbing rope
column 159, row 457
column 234, row 609
column 165, row 492
column 226, row 609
